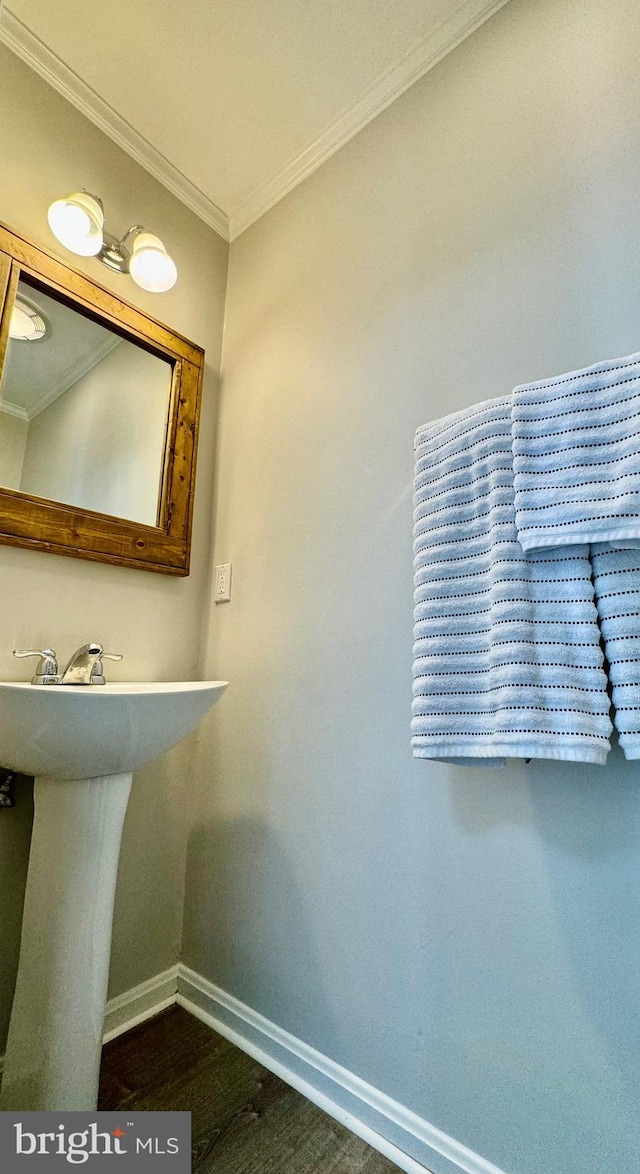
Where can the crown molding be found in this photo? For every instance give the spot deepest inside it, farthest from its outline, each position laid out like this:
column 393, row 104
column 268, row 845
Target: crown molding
column 67, row 379
column 17, row 37
column 10, row 409
column 418, row 61
column 72, row 376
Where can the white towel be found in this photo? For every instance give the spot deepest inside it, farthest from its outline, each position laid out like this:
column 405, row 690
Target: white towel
column 576, row 457
column 616, row 575
column 507, row 655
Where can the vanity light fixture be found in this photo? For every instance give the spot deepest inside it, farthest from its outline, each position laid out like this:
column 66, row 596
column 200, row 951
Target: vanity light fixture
column 78, row 223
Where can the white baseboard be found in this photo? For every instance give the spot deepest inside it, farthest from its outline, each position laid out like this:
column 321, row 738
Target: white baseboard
column 406, row 1139
column 140, row 1003
column 402, row 1136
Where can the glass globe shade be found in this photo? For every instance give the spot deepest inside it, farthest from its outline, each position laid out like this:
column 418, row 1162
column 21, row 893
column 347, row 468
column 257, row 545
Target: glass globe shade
column 77, row 222
column 151, row 266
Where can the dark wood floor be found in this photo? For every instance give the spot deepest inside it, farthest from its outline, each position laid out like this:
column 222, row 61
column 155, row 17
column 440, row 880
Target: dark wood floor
column 244, row 1119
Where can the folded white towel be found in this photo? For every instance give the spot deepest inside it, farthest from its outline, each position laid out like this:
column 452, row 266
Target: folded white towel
column 507, row 655
column 616, row 576
column 576, row 457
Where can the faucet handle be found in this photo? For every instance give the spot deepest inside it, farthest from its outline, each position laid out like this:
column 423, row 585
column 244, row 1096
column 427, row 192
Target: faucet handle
column 97, row 672
column 47, row 672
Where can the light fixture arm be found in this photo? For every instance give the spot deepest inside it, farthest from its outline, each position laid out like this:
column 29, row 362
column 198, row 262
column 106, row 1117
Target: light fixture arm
column 128, row 233
column 114, row 253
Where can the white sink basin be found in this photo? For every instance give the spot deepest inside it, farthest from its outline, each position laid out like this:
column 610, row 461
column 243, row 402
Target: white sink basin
column 81, row 743
column 76, row 731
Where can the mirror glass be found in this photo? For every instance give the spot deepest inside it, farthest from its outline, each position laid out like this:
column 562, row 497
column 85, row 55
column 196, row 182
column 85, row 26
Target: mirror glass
column 83, row 411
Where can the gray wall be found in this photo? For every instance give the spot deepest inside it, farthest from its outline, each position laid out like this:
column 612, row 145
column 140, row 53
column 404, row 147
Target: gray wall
column 466, row 940
column 100, row 445
column 48, row 149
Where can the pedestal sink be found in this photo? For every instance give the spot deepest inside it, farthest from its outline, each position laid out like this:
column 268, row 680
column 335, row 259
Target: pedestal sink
column 82, row 745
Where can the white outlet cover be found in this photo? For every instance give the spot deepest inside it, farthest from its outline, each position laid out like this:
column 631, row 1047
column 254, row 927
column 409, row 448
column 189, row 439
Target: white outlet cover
column 222, row 581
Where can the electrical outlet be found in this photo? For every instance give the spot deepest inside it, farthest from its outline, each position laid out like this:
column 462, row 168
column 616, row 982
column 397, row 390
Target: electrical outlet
column 222, row 590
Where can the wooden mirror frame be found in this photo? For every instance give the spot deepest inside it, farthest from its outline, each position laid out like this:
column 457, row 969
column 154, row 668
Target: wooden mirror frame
column 39, row 524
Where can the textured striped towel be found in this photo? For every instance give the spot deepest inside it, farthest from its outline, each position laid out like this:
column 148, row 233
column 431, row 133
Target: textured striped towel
column 616, row 575
column 576, row 457
column 507, row 655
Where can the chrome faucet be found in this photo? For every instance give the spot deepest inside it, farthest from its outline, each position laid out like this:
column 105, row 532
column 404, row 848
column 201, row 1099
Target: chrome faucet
column 84, row 668
column 80, row 668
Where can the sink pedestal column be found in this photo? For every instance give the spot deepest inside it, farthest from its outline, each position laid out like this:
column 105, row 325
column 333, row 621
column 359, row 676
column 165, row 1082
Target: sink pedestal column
column 55, row 1036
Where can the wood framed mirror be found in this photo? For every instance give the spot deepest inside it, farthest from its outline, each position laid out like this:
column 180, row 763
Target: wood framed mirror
column 99, row 413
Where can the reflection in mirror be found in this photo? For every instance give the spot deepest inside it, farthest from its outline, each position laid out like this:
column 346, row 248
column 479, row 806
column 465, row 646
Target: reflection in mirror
column 83, row 412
